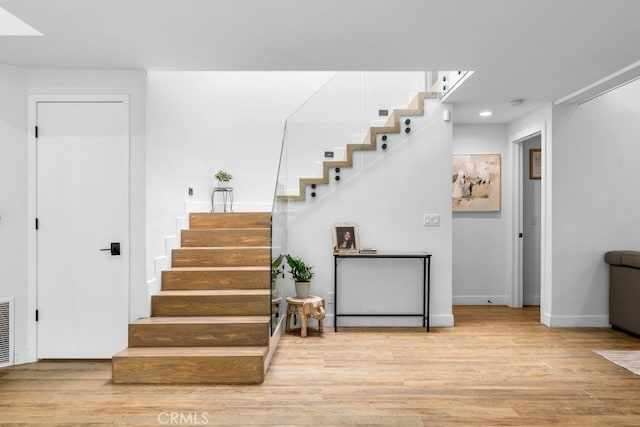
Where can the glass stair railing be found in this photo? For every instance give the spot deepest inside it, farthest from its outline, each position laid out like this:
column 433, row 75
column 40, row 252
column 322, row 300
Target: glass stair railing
column 328, row 137
column 352, row 112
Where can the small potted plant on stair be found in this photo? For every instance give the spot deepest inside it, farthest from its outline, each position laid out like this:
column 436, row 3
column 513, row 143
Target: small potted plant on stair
column 301, row 274
column 223, row 178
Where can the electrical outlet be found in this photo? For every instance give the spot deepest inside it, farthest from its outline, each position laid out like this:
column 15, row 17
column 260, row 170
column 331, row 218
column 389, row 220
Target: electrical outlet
column 431, row 219
column 190, row 191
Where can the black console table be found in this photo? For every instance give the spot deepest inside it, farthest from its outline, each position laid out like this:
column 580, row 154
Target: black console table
column 426, row 284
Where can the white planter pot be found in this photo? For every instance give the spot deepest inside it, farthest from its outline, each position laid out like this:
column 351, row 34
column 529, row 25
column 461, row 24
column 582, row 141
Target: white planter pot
column 223, row 184
column 302, row 289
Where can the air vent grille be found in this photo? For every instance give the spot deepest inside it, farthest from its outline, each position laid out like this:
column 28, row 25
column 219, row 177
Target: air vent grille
column 6, row 332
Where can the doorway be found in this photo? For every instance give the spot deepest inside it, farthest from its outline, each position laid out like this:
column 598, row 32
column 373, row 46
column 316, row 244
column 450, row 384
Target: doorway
column 82, row 220
column 543, row 220
column 531, row 202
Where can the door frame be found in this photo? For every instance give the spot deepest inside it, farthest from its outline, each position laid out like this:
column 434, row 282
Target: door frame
column 32, row 169
column 516, row 291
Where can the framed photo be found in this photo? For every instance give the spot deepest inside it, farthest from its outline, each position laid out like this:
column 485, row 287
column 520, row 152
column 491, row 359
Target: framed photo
column 475, row 183
column 345, row 237
column 535, row 163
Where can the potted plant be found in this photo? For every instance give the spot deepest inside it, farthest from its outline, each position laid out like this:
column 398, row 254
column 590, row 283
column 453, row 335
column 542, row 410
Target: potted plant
column 223, row 178
column 301, row 274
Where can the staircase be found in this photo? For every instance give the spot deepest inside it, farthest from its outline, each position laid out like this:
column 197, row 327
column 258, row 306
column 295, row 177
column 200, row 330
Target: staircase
column 393, row 124
column 210, row 322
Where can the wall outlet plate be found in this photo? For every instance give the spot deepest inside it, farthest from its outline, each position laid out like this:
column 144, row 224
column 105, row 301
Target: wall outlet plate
column 431, row 219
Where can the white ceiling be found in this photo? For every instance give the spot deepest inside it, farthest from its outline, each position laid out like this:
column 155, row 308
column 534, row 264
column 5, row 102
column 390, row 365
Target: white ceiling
column 537, row 50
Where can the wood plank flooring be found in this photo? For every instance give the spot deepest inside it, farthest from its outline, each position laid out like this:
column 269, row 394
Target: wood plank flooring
column 497, row 366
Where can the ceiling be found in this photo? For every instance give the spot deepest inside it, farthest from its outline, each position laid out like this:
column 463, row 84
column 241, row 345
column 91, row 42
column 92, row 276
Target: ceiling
column 536, row 50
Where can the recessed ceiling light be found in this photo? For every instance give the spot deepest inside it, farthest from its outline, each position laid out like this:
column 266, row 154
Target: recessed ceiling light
column 11, row 25
column 485, row 114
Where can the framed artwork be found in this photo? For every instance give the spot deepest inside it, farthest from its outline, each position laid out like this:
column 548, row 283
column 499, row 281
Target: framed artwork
column 345, row 237
column 535, row 163
column 476, row 183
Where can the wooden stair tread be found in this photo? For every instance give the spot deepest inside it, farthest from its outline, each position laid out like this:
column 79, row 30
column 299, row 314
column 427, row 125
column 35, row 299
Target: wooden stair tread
column 189, row 352
column 392, row 125
column 238, row 268
column 213, row 320
column 222, row 248
column 201, row 220
column 225, row 237
column 214, row 292
column 228, row 229
column 228, row 256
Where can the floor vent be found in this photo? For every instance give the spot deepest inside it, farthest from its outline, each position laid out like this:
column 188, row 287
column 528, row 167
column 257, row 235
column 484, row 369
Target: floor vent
column 6, row 332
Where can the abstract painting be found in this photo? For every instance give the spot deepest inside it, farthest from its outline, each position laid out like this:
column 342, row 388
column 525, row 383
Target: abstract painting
column 476, row 183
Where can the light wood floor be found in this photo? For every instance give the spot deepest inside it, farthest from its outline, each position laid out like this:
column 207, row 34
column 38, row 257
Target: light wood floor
column 497, row 366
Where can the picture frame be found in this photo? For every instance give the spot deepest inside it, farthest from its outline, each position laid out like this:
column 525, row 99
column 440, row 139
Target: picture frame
column 345, row 237
column 535, row 163
column 476, row 183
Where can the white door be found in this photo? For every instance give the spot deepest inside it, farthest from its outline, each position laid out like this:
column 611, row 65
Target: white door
column 82, row 207
column 531, row 202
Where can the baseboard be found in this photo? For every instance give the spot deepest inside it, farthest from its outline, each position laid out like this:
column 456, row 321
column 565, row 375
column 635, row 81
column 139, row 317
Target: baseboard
column 579, row 321
column 436, row 320
column 21, row 356
column 153, row 286
column 480, row 300
column 545, row 319
column 442, row 320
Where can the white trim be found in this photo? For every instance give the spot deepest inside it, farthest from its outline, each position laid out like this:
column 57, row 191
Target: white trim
column 32, row 119
column 602, row 86
column 545, row 318
column 515, row 241
column 515, row 292
column 480, row 300
column 579, row 322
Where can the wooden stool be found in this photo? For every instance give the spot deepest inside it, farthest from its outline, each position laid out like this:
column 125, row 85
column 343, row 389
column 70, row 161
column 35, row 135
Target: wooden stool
column 311, row 306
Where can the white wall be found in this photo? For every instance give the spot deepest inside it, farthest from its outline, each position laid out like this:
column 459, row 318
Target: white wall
column 350, row 102
column 114, row 82
column 13, row 200
column 200, row 122
column 386, row 195
column 595, row 203
column 481, row 263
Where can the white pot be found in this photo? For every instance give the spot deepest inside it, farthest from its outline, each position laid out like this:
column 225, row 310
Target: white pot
column 302, row 289
column 223, row 184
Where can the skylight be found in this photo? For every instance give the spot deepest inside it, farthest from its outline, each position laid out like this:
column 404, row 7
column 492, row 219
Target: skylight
column 11, row 25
